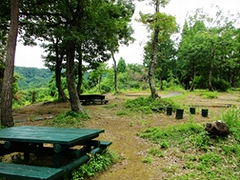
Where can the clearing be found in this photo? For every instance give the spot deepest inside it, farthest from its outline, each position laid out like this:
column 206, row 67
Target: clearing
column 122, row 129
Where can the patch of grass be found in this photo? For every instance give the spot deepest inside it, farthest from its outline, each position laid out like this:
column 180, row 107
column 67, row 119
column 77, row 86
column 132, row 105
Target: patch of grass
column 111, row 106
column 147, row 159
column 98, row 163
column 197, row 155
column 155, row 151
column 209, row 95
column 68, row 119
column 147, row 105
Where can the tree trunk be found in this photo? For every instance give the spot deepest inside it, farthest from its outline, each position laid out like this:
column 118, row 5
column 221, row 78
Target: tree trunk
column 58, row 69
column 160, row 81
column 115, row 73
column 153, row 62
column 7, row 89
column 74, row 98
column 210, row 87
column 80, row 73
column 193, row 78
column 99, row 83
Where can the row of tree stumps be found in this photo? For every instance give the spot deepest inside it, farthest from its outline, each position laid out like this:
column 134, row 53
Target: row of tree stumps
column 216, row 128
column 180, row 112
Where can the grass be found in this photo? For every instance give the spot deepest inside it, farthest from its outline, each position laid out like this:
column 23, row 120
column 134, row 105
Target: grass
column 195, row 154
column 98, row 163
column 147, row 105
column 68, row 119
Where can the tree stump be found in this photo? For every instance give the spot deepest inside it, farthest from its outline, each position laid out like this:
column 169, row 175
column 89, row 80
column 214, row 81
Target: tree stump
column 217, row 128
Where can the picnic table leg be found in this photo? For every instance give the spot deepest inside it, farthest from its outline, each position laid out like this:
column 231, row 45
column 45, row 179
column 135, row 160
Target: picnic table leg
column 26, row 156
column 57, row 160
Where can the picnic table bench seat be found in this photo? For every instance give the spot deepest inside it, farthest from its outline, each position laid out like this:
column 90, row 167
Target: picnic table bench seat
column 92, row 99
column 29, row 172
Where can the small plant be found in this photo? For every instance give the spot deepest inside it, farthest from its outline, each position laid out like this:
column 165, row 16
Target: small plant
column 164, row 144
column 98, row 163
column 147, row 159
column 69, row 119
column 147, row 105
column 156, row 152
column 210, row 95
column 131, row 124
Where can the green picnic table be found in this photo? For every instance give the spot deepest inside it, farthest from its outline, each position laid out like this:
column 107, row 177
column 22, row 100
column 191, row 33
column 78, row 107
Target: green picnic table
column 47, row 141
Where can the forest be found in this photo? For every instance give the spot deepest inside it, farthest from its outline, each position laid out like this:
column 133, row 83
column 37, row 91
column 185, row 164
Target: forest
column 203, row 54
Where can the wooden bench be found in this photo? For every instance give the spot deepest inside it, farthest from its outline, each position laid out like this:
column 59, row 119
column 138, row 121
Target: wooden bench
column 27, row 172
column 92, row 99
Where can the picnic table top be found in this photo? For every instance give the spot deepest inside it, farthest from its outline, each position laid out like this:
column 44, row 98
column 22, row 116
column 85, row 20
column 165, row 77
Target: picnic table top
column 52, row 135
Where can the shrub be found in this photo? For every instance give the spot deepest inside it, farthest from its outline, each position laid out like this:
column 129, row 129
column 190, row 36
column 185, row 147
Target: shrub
column 221, row 85
column 98, row 163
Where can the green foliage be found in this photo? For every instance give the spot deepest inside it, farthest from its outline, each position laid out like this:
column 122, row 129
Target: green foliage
column 201, row 156
column 121, row 66
column 146, row 105
column 25, row 97
column 98, row 163
column 68, row 119
column 231, row 118
column 209, row 95
column 221, row 85
column 32, row 77
column 147, row 160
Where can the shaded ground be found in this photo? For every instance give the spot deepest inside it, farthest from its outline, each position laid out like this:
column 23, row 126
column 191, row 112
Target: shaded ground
column 122, row 129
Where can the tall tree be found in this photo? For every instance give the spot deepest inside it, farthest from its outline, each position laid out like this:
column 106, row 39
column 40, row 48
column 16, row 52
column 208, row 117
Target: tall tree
column 162, row 26
column 87, row 36
column 7, row 85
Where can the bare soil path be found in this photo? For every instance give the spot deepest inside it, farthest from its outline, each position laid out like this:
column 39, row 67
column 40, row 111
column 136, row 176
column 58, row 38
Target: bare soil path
column 122, row 130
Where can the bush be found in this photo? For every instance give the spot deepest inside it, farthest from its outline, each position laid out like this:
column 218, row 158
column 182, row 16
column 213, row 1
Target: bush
column 147, row 105
column 98, row 163
column 221, row 85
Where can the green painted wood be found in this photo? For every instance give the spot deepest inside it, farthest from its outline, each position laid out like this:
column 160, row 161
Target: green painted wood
column 35, row 134
column 26, row 172
column 105, row 144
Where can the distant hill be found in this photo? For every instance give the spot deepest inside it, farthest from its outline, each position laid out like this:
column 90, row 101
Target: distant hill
column 32, row 77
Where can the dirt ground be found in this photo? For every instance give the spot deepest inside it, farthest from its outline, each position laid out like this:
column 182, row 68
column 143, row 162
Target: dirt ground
column 122, row 129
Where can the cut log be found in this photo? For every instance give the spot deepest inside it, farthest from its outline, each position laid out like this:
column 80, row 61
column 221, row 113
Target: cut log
column 218, row 128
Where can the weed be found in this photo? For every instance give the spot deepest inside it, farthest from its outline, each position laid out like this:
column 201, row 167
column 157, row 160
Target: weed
column 68, row 119
column 147, row 105
column 209, row 95
column 131, row 124
column 155, row 152
column 98, row 163
column 164, row 144
column 147, row 159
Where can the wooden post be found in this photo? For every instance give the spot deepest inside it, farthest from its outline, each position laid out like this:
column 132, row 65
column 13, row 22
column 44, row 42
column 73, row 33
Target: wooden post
column 179, row 113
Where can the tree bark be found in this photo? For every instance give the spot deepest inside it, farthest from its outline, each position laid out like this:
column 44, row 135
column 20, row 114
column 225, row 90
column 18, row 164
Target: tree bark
column 210, row 87
column 7, row 89
column 115, row 73
column 193, row 78
column 80, row 73
column 58, row 69
column 99, row 83
column 161, row 81
column 153, row 62
column 74, row 98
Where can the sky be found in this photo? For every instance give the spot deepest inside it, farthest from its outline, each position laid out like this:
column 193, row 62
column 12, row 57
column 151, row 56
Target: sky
column 31, row 56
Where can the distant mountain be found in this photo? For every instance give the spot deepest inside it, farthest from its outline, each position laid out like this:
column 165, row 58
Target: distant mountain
column 32, row 77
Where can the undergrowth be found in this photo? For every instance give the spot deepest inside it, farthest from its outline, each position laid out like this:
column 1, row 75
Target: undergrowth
column 147, row 105
column 190, row 153
column 98, row 163
column 68, row 119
